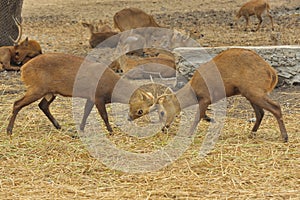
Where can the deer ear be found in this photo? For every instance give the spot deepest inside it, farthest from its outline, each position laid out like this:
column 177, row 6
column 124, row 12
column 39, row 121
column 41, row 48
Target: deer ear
column 26, row 41
column 165, row 97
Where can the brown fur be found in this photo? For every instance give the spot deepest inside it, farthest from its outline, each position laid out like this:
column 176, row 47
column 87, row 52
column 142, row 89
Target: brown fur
column 51, row 74
column 242, row 72
column 7, row 56
column 255, row 7
column 138, row 68
column 131, row 18
column 98, row 37
column 26, row 50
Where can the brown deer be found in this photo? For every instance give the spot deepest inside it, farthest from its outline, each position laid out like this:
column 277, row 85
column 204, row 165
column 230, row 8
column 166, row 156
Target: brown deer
column 98, row 37
column 19, row 53
column 51, row 74
column 242, row 72
column 131, row 18
column 255, row 7
column 7, row 56
column 26, row 50
column 103, row 27
column 142, row 67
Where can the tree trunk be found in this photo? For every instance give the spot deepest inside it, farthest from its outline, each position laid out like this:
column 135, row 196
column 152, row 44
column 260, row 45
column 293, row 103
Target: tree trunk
column 8, row 28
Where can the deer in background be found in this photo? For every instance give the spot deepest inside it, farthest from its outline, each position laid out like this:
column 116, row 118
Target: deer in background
column 254, row 7
column 131, row 18
column 20, row 53
column 242, row 72
column 51, row 74
column 135, row 67
column 104, row 33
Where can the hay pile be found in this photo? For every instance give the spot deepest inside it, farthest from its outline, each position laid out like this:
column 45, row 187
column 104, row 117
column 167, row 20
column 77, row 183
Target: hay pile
column 42, row 162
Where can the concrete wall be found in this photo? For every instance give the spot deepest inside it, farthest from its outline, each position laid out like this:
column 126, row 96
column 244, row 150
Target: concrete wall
column 285, row 59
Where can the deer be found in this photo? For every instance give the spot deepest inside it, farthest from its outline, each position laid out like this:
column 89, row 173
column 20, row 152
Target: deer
column 52, row 74
column 26, row 50
column 19, row 53
column 7, row 56
column 254, row 7
column 242, row 72
column 143, row 67
column 97, row 37
column 131, row 18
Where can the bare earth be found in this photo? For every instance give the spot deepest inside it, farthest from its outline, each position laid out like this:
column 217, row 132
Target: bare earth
column 40, row 162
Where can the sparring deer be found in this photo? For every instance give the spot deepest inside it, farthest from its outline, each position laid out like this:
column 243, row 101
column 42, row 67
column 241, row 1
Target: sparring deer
column 53, row 74
column 241, row 72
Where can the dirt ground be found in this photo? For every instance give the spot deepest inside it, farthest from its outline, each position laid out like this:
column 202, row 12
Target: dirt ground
column 42, row 162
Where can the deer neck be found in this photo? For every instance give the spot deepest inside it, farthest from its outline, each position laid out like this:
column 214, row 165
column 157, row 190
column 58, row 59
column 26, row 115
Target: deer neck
column 186, row 96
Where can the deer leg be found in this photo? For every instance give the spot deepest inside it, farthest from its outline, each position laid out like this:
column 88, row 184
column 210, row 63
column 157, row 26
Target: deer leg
column 44, row 106
column 208, row 119
column 247, row 22
column 266, row 103
column 203, row 105
column 259, row 23
column 259, row 114
column 28, row 98
column 12, row 68
column 103, row 113
column 271, row 19
column 87, row 110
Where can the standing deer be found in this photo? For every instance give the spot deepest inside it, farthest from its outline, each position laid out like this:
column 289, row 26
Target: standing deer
column 51, row 74
column 242, row 72
column 131, row 18
column 255, row 7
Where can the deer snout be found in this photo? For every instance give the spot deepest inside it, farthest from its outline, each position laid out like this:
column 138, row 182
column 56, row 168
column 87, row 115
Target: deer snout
column 130, row 118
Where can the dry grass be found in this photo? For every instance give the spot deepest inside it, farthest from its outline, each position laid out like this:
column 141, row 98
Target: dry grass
column 40, row 162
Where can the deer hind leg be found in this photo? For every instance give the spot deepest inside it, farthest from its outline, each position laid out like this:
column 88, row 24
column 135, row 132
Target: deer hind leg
column 259, row 23
column 203, row 105
column 103, row 113
column 30, row 97
column 87, row 110
column 44, row 106
column 271, row 19
column 247, row 22
column 12, row 68
column 266, row 103
column 259, row 114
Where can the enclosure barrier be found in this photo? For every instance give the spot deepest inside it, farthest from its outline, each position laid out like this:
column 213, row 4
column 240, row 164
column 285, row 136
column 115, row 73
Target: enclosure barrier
column 285, row 59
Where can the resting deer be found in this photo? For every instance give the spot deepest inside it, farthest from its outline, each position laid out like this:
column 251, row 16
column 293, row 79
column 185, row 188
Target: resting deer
column 54, row 74
column 242, row 72
column 139, row 68
column 20, row 53
column 131, row 18
column 26, row 50
column 7, row 56
column 255, row 7
column 98, row 37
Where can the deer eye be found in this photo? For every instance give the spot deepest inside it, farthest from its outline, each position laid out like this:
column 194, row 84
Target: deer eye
column 140, row 112
column 162, row 113
column 17, row 53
